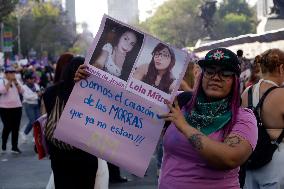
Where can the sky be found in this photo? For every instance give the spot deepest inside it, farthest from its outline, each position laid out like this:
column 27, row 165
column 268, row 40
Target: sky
column 91, row 11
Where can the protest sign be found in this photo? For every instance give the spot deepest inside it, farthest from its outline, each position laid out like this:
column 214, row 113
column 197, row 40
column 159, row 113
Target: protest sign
column 111, row 123
column 136, row 61
column 114, row 114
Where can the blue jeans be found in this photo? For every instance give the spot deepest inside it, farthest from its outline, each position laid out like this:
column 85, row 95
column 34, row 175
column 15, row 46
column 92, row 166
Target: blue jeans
column 33, row 112
column 270, row 176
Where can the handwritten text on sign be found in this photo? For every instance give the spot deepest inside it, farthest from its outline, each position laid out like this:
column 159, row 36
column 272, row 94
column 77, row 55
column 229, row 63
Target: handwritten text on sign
column 111, row 123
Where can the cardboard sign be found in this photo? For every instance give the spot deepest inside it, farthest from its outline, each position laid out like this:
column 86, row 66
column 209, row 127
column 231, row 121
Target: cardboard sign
column 111, row 123
column 136, row 61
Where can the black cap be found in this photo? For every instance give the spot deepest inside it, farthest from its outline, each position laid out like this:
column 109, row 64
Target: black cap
column 222, row 57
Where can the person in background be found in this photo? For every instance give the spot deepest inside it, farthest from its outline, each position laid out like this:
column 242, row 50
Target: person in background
column 210, row 136
column 10, row 108
column 60, row 66
column 244, row 63
column 31, row 100
column 255, row 72
column 271, row 175
column 191, row 75
column 72, row 168
column 245, row 70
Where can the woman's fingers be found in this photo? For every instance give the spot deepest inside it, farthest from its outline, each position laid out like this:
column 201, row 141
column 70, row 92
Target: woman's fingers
column 82, row 70
column 168, row 117
column 81, row 73
column 176, row 104
column 171, row 107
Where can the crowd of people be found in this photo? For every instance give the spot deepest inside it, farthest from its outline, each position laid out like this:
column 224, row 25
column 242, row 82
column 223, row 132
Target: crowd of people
column 209, row 132
column 21, row 87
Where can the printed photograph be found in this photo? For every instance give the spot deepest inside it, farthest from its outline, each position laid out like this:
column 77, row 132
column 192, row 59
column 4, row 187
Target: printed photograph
column 157, row 65
column 117, row 49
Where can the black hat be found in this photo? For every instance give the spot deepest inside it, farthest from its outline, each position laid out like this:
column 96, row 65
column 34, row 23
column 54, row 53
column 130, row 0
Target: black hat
column 222, row 57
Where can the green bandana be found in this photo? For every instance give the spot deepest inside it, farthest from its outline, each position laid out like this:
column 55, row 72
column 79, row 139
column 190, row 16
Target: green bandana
column 209, row 117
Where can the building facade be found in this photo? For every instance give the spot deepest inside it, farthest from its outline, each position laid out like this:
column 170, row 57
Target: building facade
column 125, row 12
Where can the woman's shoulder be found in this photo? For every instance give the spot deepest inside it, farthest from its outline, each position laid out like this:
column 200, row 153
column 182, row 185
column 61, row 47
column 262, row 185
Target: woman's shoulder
column 246, row 125
column 246, row 119
column 245, row 113
column 108, row 47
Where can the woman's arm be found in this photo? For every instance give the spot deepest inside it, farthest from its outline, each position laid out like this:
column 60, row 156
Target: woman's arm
column 222, row 155
column 5, row 85
column 140, row 71
column 19, row 87
column 29, row 94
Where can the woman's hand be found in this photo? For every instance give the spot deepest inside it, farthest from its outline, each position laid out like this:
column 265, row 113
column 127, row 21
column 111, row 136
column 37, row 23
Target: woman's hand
column 81, row 73
column 176, row 116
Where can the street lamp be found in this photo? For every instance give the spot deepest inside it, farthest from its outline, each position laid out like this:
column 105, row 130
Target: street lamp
column 21, row 9
column 1, row 36
column 19, row 35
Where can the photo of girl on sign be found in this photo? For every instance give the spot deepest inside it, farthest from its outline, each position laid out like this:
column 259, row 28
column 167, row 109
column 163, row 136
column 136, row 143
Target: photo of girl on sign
column 117, row 49
column 159, row 72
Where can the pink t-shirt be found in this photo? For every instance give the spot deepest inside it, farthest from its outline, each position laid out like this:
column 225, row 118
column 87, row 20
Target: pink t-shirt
column 184, row 168
column 10, row 98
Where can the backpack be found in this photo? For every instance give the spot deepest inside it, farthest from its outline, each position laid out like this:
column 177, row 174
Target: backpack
column 265, row 148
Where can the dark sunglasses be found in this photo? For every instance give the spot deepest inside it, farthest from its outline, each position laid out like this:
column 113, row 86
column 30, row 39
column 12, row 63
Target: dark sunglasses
column 223, row 74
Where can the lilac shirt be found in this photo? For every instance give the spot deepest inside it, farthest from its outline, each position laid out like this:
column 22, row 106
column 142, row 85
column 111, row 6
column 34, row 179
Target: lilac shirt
column 184, row 168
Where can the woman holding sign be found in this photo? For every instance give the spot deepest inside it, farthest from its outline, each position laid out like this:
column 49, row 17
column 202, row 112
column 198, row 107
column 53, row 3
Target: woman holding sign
column 211, row 136
column 158, row 73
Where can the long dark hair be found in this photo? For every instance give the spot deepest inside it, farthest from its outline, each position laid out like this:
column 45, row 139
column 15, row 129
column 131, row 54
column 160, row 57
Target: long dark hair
column 61, row 63
column 111, row 34
column 64, row 87
column 152, row 72
column 130, row 56
column 68, row 78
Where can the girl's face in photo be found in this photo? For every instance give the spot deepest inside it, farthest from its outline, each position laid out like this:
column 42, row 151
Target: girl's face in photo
column 162, row 59
column 126, row 42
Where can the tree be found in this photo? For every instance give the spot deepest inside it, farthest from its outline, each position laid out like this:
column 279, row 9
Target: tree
column 44, row 28
column 234, row 18
column 176, row 22
column 6, row 6
column 83, row 41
